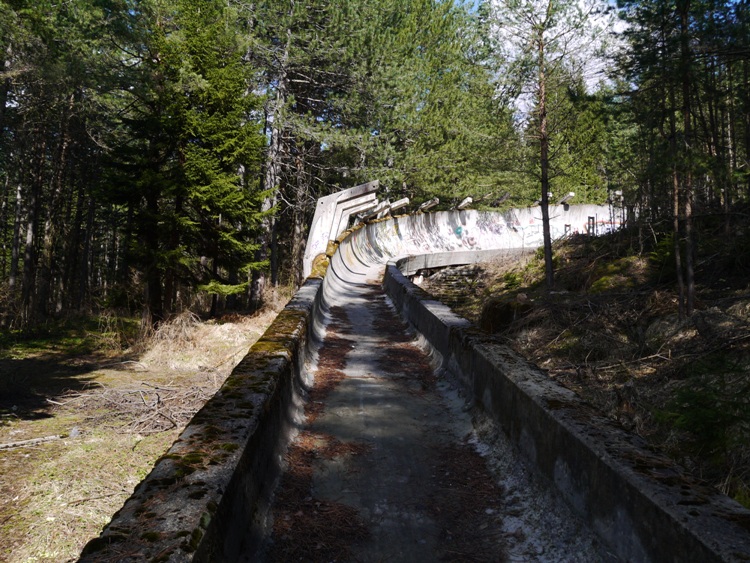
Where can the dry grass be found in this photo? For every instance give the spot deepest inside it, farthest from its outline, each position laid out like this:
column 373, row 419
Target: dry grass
column 117, row 415
column 57, row 496
column 610, row 332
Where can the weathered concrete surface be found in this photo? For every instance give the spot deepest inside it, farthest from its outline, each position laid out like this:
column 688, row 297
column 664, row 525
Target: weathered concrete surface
column 363, row 255
column 386, row 403
column 332, row 214
column 410, row 265
column 472, row 230
column 419, row 485
column 641, row 504
column 205, row 499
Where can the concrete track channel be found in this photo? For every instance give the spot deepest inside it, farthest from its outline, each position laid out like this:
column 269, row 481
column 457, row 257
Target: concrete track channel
column 441, row 444
column 395, row 469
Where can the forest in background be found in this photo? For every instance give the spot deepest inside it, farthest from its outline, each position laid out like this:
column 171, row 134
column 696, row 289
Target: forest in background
column 163, row 155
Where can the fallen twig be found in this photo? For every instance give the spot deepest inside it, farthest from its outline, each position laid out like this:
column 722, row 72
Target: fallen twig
column 87, row 499
column 638, row 361
column 140, row 365
column 58, row 402
column 32, row 442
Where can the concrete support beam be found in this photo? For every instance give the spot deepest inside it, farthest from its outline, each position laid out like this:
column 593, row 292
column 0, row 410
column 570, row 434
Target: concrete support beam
column 331, row 217
column 429, row 204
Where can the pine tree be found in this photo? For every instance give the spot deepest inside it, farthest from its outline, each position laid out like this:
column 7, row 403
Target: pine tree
column 546, row 41
column 685, row 58
column 47, row 99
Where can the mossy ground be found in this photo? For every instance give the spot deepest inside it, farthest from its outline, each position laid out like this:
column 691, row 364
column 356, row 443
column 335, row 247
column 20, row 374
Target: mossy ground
column 609, row 330
column 69, row 382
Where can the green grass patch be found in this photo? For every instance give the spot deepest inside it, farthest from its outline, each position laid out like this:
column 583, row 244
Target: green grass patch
column 79, row 336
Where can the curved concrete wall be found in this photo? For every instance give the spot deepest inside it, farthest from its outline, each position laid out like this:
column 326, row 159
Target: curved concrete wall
column 205, row 500
column 451, row 237
column 365, row 252
column 642, row 505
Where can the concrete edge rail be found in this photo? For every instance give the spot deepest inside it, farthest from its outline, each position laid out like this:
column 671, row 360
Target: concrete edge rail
column 206, row 499
column 642, row 506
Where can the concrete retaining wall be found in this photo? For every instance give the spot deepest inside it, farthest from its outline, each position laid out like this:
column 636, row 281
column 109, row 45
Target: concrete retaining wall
column 642, row 506
column 206, row 499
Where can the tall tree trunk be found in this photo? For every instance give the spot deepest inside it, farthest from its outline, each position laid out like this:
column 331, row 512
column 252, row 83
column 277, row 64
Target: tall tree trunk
column 121, row 276
column 4, row 209
column 15, row 246
column 48, row 252
column 257, row 286
column 154, row 312
column 170, row 274
column 29, row 258
column 73, row 296
column 544, row 162
column 214, row 274
column 272, row 176
column 746, row 90
column 4, row 89
column 86, row 267
column 676, row 206
column 274, row 254
column 298, row 220
column 688, row 164
column 28, row 284
column 676, row 210
column 732, row 161
column 5, row 86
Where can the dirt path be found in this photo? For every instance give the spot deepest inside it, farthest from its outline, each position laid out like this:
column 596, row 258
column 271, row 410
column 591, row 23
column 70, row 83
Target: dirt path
column 388, row 467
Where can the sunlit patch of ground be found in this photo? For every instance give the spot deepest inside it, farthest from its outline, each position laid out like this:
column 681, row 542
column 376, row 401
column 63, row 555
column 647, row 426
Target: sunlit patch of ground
column 106, row 418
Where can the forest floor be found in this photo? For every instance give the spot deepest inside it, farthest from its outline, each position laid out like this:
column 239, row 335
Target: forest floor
column 611, row 333
column 82, row 422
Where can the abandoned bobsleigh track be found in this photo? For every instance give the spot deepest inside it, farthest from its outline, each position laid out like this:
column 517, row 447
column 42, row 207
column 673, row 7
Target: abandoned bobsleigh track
column 208, row 498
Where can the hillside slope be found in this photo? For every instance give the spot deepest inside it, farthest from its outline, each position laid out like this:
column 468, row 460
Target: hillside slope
column 610, row 331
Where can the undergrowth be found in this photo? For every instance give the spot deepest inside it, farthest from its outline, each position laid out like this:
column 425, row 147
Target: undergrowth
column 610, row 332
column 111, row 398
column 107, row 332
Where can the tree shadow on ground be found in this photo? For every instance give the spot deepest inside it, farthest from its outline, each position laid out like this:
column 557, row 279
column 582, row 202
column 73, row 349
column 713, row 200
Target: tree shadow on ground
column 28, row 385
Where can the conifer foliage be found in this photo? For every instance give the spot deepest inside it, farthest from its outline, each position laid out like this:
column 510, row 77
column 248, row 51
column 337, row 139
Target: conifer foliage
column 163, row 154
column 157, row 155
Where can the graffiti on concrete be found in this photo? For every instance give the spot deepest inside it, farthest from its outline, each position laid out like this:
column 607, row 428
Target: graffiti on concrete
column 449, row 231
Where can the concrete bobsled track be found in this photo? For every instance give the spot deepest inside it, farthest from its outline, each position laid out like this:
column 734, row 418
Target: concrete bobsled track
column 208, row 498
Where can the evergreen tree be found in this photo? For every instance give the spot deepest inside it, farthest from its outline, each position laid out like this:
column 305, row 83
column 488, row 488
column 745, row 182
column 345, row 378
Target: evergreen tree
column 545, row 41
column 144, row 143
column 686, row 59
column 189, row 136
column 430, row 123
column 359, row 89
column 47, row 100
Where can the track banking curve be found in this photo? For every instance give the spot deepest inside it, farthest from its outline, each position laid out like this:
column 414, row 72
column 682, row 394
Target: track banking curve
column 209, row 498
column 640, row 505
column 457, row 236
